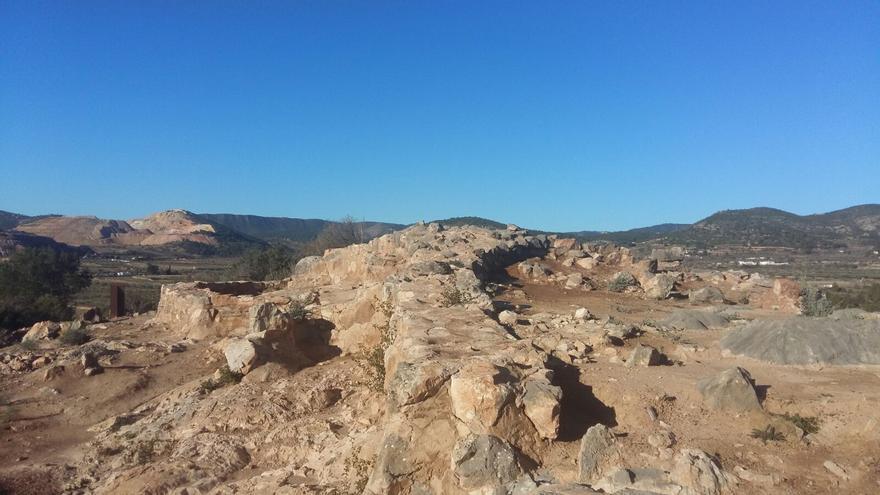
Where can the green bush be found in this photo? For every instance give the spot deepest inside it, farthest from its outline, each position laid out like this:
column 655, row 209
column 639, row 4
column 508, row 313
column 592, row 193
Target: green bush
column 74, row 336
column 453, row 296
column 227, row 377
column 866, row 298
column 37, row 284
column 621, row 282
column 768, row 434
column 268, row 263
column 298, row 310
column 814, row 303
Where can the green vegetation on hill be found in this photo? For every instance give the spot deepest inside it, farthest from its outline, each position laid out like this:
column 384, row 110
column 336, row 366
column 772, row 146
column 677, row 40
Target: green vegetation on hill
column 859, row 225
column 37, row 284
column 9, row 220
column 630, row 236
column 293, row 230
column 475, row 221
column 269, row 263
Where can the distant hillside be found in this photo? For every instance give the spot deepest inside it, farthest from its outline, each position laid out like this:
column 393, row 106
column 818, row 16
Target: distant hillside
column 11, row 241
column 9, row 220
column 630, row 236
column 475, row 221
column 859, row 225
column 291, row 229
column 176, row 230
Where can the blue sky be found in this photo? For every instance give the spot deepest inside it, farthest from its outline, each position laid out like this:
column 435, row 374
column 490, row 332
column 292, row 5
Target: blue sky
column 554, row 115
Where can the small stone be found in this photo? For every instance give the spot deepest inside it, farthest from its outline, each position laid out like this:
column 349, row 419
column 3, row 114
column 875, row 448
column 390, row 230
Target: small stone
column 583, row 314
column 836, row 469
column 508, row 317
column 53, row 372
column 643, row 355
column 662, row 440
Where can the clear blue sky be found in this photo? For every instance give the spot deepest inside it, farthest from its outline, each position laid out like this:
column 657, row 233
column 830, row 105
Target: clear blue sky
column 555, row 115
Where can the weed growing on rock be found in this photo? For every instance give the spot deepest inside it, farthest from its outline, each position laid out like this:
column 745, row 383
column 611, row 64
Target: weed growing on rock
column 227, row 377
column 621, row 282
column 75, row 336
column 28, row 345
column 768, row 434
column 375, row 357
column 360, row 471
column 809, row 424
column 453, row 296
column 298, row 310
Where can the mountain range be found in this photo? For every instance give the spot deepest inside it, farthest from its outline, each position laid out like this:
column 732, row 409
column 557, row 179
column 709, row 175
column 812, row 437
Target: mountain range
column 224, row 233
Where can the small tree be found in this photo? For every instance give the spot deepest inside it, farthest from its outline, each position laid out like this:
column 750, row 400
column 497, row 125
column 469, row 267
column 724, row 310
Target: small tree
column 345, row 232
column 37, row 284
column 270, row 263
column 814, row 303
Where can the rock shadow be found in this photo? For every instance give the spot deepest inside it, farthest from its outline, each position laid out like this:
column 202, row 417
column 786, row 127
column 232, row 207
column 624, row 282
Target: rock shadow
column 305, row 343
column 580, row 409
column 313, row 340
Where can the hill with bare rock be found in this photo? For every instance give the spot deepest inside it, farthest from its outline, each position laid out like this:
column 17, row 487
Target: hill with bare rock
column 170, row 229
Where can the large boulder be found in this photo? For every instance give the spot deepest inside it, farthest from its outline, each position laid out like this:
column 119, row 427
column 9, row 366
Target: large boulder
column 242, row 355
column 659, row 286
column 706, row 295
column 803, row 340
column 478, row 392
column 700, row 474
column 690, row 319
column 671, row 253
column 541, row 402
column 43, row 330
column 643, row 355
column 732, row 389
column 481, row 462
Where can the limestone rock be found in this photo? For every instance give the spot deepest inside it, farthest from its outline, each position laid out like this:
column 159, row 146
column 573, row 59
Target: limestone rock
column 643, row 355
column 700, row 473
column 595, row 446
column 241, row 355
column 542, row 403
column 43, row 330
column 478, row 392
column 583, row 314
column 660, row 286
column 802, row 340
column 731, row 389
column 706, row 295
column 508, row 317
column 484, row 462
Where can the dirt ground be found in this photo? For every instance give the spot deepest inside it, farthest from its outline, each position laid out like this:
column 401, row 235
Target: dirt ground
column 47, row 421
column 845, row 400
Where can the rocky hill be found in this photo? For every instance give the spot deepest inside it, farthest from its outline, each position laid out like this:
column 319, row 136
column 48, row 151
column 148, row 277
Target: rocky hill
column 170, row 229
column 445, row 360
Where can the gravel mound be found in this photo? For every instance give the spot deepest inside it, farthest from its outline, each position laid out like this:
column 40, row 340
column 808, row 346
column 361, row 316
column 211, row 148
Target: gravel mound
column 802, row 340
column 693, row 319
